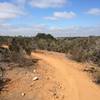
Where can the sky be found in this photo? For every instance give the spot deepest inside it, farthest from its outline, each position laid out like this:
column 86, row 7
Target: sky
column 57, row 17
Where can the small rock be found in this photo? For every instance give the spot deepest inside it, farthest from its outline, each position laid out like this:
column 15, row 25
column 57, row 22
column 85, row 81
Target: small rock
column 35, row 78
column 34, row 70
column 23, row 94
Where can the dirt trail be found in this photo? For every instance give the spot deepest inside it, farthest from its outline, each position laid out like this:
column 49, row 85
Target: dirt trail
column 77, row 85
column 59, row 79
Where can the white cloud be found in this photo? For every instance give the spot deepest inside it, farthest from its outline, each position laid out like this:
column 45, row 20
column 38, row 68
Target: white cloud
column 94, row 11
column 61, row 15
column 7, row 29
column 9, row 11
column 47, row 3
column 14, row 9
column 42, row 3
column 76, row 31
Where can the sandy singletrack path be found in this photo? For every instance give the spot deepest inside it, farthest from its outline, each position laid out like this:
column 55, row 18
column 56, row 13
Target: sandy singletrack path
column 77, row 85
